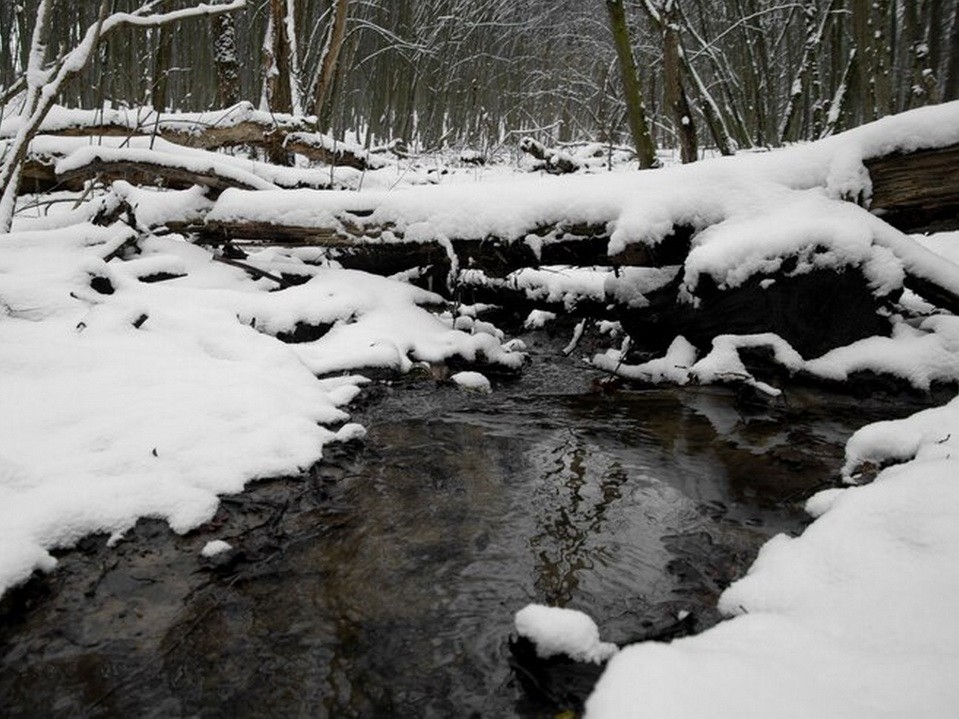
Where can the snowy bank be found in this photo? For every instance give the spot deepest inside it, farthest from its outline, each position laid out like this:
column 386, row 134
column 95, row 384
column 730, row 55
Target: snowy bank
column 122, row 397
column 851, row 619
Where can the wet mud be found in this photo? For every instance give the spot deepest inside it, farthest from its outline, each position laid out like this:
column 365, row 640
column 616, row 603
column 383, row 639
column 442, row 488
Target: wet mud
column 383, row 582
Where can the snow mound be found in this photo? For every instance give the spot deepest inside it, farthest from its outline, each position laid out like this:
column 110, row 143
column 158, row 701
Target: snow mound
column 556, row 630
column 850, row 619
column 473, row 381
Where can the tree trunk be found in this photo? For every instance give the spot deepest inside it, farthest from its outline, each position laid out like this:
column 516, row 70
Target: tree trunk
column 326, row 72
column 675, row 93
column 800, row 88
column 635, row 108
column 950, row 88
column 161, row 68
column 276, row 60
column 223, row 28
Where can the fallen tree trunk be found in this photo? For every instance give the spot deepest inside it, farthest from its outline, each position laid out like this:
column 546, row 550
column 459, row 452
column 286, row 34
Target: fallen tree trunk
column 561, row 244
column 155, row 173
column 815, row 312
column 917, row 191
column 214, row 131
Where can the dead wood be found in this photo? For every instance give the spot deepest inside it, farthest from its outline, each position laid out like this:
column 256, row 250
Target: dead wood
column 292, row 136
column 143, row 172
column 917, row 191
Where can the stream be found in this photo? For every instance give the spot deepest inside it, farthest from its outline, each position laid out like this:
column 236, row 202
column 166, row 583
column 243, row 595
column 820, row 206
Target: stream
column 384, row 581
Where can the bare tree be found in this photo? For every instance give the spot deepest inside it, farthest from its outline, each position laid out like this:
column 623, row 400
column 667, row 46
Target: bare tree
column 666, row 19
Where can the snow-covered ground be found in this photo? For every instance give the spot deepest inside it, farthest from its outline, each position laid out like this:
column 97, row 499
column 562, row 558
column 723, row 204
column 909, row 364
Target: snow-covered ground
column 122, row 397
column 152, row 400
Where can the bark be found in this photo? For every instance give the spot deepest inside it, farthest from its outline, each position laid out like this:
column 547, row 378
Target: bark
column 674, row 90
column 837, row 106
column 161, row 68
column 144, row 172
column 632, row 90
column 326, row 71
column 223, row 29
column 276, row 60
column 13, row 159
column 918, row 191
column 951, row 79
column 789, row 127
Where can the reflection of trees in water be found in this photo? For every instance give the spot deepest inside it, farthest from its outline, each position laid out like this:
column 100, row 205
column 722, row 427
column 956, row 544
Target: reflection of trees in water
column 579, row 486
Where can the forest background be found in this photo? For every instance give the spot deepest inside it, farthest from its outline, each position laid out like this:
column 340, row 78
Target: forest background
column 482, row 73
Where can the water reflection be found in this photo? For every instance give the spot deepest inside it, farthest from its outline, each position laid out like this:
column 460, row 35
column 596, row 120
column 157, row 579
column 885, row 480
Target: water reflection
column 577, row 487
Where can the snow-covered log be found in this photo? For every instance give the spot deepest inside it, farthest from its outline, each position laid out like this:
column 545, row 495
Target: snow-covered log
column 146, row 167
column 554, row 161
column 230, row 127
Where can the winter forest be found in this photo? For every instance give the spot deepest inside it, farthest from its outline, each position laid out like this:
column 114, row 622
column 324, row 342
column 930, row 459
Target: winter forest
column 446, row 358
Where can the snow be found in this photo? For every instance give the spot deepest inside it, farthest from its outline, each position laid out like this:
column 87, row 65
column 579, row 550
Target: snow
column 920, row 352
column 554, row 284
column 537, row 319
column 560, row 631
column 153, row 400
column 215, row 547
column 850, row 619
column 673, row 368
column 753, row 210
column 472, row 381
column 92, row 154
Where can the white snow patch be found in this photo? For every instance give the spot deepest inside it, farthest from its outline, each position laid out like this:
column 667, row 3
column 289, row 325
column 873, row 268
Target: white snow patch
column 474, row 381
column 155, row 399
column 215, row 547
column 849, row 619
column 538, row 319
column 556, row 630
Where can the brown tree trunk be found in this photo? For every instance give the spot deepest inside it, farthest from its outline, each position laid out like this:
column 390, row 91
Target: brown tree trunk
column 161, row 68
column 635, row 107
column 276, row 60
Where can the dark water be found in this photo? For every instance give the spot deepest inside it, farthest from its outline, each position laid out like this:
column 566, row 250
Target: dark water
column 384, row 583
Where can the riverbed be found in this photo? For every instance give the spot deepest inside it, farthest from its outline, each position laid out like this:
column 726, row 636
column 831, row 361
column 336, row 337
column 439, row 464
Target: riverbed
column 383, row 581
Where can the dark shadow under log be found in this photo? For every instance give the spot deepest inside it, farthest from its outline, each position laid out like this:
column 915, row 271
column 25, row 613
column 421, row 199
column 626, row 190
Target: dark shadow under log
column 814, row 312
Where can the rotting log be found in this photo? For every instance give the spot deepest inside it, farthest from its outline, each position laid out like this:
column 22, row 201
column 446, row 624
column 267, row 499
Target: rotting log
column 143, row 172
column 561, row 244
column 38, row 175
column 917, row 191
column 319, row 148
